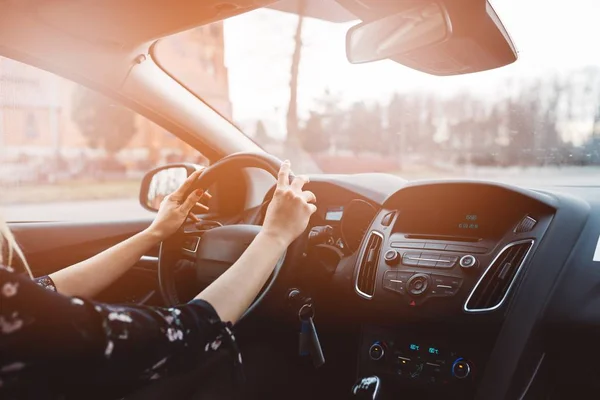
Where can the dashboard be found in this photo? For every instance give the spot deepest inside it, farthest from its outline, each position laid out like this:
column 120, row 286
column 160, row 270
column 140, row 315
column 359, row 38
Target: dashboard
column 452, row 279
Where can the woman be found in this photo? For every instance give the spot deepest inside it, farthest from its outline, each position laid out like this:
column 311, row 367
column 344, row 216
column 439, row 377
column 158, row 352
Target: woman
column 56, row 344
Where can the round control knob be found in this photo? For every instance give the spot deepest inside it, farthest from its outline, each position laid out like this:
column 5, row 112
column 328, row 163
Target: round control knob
column 376, row 351
column 418, row 284
column 391, row 257
column 468, row 262
column 461, row 369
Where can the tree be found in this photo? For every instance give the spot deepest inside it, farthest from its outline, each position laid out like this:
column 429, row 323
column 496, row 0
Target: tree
column 292, row 114
column 314, row 137
column 260, row 134
column 104, row 124
column 364, row 130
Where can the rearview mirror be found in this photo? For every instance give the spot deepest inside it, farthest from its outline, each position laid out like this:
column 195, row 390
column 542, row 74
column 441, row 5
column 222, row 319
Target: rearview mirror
column 443, row 37
column 161, row 182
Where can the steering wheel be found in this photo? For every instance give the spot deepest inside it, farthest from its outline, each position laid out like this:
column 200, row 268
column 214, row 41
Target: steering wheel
column 213, row 251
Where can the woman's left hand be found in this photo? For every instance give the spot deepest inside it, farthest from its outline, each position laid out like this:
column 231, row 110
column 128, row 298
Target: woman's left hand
column 175, row 208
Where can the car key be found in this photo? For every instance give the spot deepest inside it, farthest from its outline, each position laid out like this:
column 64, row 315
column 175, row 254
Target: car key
column 309, row 339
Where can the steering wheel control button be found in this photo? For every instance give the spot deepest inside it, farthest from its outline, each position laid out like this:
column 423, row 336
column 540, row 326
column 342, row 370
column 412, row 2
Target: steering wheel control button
column 391, row 257
column 468, row 261
column 418, row 284
column 461, row 369
column 190, row 244
column 376, row 351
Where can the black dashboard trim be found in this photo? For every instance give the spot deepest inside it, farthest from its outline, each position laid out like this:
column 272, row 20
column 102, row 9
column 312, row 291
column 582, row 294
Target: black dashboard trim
column 522, row 322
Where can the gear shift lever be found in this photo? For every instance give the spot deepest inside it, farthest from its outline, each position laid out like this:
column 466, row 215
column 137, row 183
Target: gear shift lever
column 367, row 388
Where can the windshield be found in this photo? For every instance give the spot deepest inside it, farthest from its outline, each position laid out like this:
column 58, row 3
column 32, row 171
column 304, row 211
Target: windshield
column 285, row 81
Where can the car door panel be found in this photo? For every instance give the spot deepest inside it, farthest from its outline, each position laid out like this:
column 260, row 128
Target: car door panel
column 51, row 246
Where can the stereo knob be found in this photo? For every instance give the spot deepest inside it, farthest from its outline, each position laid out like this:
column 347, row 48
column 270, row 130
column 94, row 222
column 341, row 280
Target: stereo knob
column 376, row 351
column 391, row 257
column 468, row 262
column 461, row 369
column 417, row 284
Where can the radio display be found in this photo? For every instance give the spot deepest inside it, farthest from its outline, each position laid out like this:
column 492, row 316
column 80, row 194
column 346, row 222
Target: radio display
column 454, row 222
column 334, row 214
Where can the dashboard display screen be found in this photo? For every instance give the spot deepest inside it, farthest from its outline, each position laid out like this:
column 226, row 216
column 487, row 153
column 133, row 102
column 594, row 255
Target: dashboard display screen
column 334, row 214
column 454, row 222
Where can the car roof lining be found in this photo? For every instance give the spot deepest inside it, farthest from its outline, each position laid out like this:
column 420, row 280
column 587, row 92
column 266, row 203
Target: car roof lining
column 128, row 23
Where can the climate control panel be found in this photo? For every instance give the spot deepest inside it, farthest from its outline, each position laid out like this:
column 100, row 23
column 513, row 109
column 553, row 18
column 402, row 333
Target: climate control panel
column 416, row 359
column 418, row 362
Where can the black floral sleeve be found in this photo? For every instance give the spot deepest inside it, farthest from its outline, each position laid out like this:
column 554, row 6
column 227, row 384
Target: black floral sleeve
column 51, row 344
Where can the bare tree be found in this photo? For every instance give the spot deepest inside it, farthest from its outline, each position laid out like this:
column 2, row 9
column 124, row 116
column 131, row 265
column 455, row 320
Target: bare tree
column 292, row 114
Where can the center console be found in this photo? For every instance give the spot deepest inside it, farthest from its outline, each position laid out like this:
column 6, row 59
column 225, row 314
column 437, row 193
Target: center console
column 442, row 260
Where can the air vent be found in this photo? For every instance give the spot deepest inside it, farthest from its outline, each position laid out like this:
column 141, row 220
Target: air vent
column 367, row 268
column 525, row 225
column 496, row 282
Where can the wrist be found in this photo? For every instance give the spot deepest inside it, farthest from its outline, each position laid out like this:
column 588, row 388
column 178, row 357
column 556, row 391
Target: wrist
column 153, row 234
column 277, row 241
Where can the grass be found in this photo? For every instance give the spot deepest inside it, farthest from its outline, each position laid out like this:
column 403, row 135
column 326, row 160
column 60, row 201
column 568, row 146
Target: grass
column 70, row 191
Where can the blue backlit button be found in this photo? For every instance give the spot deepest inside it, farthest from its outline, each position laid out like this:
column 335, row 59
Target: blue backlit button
column 377, row 351
column 461, row 369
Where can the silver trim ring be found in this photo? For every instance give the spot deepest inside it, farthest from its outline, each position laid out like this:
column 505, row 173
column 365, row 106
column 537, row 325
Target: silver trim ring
column 382, row 351
column 467, row 367
column 480, row 310
column 360, row 263
column 468, row 256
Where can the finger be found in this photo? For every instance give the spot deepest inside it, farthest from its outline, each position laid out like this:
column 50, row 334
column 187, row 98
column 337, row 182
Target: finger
column 308, row 196
column 206, row 195
column 312, row 208
column 299, row 182
column 191, row 200
column 193, row 217
column 187, row 185
column 283, row 178
column 202, row 206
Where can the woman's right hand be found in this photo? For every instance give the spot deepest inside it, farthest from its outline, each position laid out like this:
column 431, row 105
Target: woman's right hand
column 290, row 209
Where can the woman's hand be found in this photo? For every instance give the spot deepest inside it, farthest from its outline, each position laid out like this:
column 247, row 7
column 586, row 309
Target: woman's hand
column 175, row 208
column 290, row 209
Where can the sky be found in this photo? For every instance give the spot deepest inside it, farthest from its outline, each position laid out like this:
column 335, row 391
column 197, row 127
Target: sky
column 550, row 36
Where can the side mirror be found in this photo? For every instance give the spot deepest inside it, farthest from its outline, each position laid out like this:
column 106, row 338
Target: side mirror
column 162, row 181
column 439, row 37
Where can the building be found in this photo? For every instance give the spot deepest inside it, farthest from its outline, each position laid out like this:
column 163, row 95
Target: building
column 36, row 107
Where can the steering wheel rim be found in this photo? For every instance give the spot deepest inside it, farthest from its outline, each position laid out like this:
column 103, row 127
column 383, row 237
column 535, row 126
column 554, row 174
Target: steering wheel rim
column 172, row 246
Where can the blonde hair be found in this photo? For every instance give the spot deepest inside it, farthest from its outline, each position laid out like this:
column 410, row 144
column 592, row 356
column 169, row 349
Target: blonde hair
column 12, row 248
